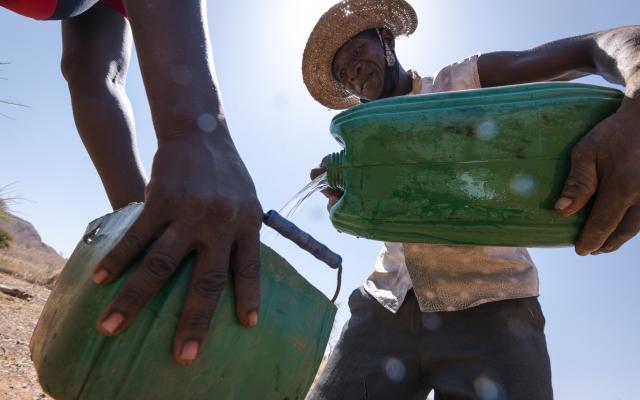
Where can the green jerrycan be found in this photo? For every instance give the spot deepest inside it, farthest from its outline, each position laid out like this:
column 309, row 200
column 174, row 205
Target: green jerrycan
column 277, row 360
column 475, row 167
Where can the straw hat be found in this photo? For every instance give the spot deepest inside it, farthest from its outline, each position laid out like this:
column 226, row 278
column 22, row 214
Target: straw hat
column 342, row 22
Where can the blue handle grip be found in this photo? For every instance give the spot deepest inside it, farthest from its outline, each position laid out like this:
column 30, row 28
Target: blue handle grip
column 306, row 242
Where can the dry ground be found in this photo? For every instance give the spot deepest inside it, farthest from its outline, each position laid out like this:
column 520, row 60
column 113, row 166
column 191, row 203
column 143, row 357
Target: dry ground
column 18, row 318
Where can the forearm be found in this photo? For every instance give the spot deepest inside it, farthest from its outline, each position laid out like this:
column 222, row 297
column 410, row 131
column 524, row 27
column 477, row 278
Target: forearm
column 561, row 60
column 105, row 123
column 95, row 58
column 174, row 50
column 612, row 54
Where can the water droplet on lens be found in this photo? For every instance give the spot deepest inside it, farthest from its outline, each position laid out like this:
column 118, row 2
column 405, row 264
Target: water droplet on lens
column 487, row 389
column 523, row 184
column 487, row 130
column 394, row 369
column 431, row 321
column 181, row 74
column 207, row 122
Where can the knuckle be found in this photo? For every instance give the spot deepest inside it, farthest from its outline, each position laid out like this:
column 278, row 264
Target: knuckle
column 209, row 285
column 575, row 185
column 582, row 151
column 599, row 228
column 130, row 243
column 198, row 320
column 611, row 247
column 622, row 235
column 160, row 266
column 134, row 296
column 250, row 271
column 225, row 213
column 225, row 210
column 315, row 173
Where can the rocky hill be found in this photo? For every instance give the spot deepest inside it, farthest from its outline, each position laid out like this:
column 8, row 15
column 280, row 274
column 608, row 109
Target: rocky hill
column 27, row 256
column 29, row 263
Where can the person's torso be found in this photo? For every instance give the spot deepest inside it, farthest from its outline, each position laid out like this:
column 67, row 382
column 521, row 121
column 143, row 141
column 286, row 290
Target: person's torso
column 450, row 278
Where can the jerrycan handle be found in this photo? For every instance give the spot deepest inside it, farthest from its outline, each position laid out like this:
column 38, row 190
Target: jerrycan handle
column 306, row 242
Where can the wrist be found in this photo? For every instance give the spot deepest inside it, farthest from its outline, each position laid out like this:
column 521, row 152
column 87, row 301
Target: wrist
column 205, row 127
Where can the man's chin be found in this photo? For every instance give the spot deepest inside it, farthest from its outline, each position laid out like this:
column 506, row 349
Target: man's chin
column 372, row 94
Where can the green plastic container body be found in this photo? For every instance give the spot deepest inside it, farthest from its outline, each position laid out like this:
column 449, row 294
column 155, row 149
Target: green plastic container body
column 278, row 359
column 475, row 167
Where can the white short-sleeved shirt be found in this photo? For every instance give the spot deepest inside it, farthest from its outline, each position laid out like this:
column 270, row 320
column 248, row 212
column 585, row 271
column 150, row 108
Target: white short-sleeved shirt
column 450, row 278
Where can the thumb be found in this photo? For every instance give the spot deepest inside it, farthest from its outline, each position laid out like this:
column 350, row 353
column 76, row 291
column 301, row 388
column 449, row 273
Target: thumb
column 582, row 182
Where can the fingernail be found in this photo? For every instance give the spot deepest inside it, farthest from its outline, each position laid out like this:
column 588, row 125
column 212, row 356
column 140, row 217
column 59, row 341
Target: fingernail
column 595, row 253
column 112, row 323
column 252, row 319
column 100, row 276
column 563, row 203
column 189, row 351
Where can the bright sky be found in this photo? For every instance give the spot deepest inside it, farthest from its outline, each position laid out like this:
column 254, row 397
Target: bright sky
column 590, row 303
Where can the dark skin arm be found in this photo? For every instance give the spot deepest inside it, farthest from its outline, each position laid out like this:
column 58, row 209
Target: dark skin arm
column 200, row 197
column 96, row 49
column 605, row 162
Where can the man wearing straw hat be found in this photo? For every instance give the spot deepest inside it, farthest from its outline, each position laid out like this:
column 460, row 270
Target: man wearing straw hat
column 466, row 337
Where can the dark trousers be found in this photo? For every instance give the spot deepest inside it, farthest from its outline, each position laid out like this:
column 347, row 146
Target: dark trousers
column 495, row 351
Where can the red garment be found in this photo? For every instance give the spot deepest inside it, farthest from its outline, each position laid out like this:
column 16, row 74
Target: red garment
column 37, row 9
column 45, row 9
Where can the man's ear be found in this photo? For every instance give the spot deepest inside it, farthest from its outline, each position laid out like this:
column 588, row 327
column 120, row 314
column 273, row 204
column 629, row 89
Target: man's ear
column 388, row 38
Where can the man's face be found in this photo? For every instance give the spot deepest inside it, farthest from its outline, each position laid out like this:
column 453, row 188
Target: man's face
column 359, row 65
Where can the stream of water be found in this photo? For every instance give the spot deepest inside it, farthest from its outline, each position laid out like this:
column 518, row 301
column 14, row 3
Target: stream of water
column 294, row 204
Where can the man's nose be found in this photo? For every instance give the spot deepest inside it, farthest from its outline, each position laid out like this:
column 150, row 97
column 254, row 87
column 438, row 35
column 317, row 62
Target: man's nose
column 354, row 71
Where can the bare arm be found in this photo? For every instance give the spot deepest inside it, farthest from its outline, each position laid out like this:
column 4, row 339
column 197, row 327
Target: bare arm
column 604, row 165
column 95, row 58
column 612, row 54
column 200, row 197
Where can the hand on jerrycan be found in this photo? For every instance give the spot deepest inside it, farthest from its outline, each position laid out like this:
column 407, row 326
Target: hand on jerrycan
column 333, row 195
column 215, row 214
column 604, row 169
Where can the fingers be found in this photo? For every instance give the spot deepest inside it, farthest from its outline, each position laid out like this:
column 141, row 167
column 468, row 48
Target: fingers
column 158, row 266
column 581, row 183
column 628, row 228
column 316, row 172
column 605, row 216
column 333, row 195
column 246, row 277
column 321, row 169
column 207, row 283
column 129, row 248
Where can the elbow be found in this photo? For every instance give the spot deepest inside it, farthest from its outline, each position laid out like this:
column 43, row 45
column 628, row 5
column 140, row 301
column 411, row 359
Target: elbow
column 82, row 73
column 71, row 65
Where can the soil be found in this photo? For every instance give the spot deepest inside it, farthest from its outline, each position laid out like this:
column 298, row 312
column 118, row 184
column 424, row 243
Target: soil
column 18, row 379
